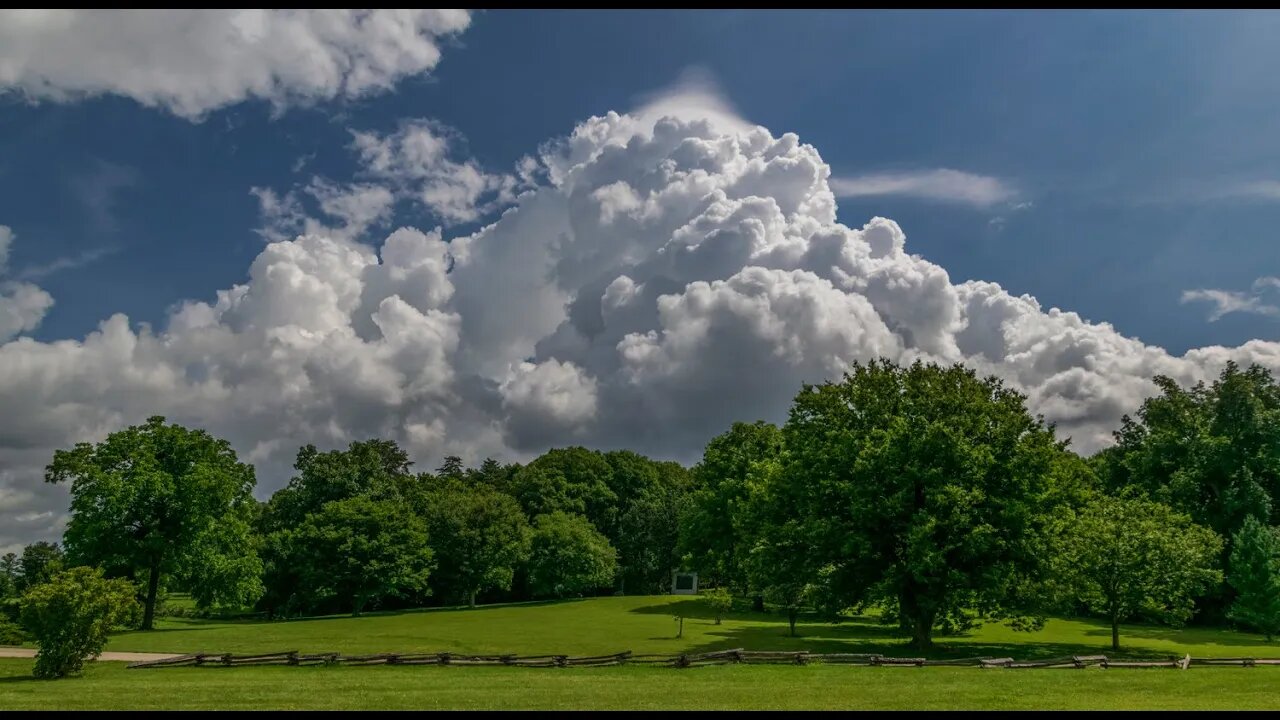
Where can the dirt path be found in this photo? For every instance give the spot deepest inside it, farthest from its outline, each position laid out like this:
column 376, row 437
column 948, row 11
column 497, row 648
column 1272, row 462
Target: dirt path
column 17, row 652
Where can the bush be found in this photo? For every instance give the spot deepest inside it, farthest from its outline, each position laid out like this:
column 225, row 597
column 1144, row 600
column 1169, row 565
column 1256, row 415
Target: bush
column 719, row 600
column 71, row 615
column 11, row 633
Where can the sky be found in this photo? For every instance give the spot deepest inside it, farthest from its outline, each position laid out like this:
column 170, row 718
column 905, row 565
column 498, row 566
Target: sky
column 491, row 233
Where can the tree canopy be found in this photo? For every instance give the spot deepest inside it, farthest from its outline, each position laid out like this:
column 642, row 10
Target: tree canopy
column 157, row 499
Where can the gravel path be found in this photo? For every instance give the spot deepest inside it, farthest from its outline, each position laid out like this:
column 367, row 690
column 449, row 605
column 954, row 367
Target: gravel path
column 17, row 652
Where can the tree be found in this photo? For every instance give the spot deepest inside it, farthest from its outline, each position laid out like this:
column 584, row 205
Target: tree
column 39, row 562
column 714, row 533
column 782, row 563
column 924, row 489
column 377, row 468
column 70, row 616
column 359, row 551
column 647, row 531
column 720, row 602
column 575, row 480
column 1125, row 556
column 478, row 535
column 157, row 499
column 10, row 575
column 1254, row 573
column 1210, row 452
column 569, row 556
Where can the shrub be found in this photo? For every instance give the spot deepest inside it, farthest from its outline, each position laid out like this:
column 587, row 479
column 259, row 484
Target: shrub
column 719, row 600
column 11, row 633
column 71, row 615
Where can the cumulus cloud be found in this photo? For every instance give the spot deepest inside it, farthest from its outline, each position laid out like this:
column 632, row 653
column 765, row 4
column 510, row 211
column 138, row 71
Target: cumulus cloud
column 193, row 61
column 22, row 305
column 665, row 277
column 941, row 184
column 1261, row 300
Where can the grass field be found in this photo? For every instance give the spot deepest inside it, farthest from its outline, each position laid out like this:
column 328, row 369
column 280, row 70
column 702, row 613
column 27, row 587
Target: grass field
column 645, row 625
column 110, row 685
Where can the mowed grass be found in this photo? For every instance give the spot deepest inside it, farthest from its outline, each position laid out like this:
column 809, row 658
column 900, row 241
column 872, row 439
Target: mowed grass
column 646, row 625
column 110, row 686
column 604, row 625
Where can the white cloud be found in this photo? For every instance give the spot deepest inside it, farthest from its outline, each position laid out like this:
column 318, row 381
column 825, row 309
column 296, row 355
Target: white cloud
column 1229, row 301
column 666, row 278
column 193, row 61
column 417, row 160
column 1266, row 190
column 941, row 184
column 22, row 305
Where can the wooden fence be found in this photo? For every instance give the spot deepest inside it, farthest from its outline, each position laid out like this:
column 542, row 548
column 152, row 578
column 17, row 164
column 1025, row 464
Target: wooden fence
column 684, row 660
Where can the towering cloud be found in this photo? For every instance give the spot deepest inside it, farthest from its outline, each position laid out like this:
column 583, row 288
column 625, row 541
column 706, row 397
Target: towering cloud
column 671, row 275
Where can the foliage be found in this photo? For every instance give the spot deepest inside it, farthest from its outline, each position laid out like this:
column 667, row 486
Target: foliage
column 11, row 633
column 39, row 562
column 479, row 537
column 1127, row 556
column 359, row 551
column 1254, row 572
column 159, row 499
column 568, row 556
column 924, row 489
column 378, row 468
column 70, row 616
column 1210, row 452
column 714, row 534
column 648, row 529
column 720, row 602
column 574, row 479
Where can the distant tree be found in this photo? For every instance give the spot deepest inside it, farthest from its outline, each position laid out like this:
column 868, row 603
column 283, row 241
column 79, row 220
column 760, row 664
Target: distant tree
column 158, row 499
column 647, row 533
column 569, row 556
column 923, row 489
column 452, row 468
column 70, row 616
column 493, row 474
column 39, row 562
column 10, row 574
column 1126, row 556
column 376, row 468
column 714, row 534
column 719, row 601
column 783, row 563
column 478, row 535
column 574, row 479
column 360, row 551
column 1212, row 452
column 1254, row 572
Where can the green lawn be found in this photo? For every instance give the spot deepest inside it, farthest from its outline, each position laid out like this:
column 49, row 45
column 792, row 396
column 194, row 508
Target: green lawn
column 110, row 685
column 645, row 625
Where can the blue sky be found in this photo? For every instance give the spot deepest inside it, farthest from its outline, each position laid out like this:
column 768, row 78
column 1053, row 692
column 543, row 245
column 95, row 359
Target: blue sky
column 1116, row 125
column 1121, row 165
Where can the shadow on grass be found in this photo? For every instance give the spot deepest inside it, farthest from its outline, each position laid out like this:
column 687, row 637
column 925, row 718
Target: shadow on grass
column 861, row 634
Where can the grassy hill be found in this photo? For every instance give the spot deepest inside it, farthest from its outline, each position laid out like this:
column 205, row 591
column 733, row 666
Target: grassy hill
column 645, row 625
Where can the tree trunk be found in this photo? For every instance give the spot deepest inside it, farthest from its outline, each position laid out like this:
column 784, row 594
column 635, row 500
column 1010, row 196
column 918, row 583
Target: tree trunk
column 357, row 606
column 1115, row 632
column 153, row 589
column 718, row 622
column 472, row 598
column 922, row 631
column 757, row 603
column 791, row 619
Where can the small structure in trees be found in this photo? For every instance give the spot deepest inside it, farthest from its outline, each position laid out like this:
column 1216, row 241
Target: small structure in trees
column 684, row 583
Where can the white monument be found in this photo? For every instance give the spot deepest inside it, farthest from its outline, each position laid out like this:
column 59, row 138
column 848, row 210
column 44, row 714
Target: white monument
column 684, row 583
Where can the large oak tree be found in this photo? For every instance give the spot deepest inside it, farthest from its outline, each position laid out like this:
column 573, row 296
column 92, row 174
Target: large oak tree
column 154, row 500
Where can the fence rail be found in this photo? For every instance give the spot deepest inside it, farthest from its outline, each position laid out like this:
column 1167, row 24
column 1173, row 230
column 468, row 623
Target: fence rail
column 683, row 660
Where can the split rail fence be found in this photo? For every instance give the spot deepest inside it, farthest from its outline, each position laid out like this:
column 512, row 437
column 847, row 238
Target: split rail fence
column 684, row 660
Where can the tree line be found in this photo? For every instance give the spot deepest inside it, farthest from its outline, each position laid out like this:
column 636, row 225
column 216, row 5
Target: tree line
column 926, row 492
